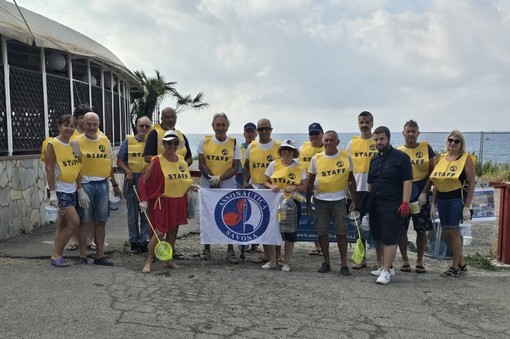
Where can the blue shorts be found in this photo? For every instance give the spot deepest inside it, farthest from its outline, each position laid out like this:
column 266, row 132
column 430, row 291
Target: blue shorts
column 450, row 212
column 66, row 199
column 98, row 192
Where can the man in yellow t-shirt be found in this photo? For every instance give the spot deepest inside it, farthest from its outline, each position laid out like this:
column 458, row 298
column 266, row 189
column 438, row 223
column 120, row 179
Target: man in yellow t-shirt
column 154, row 145
column 306, row 153
column 329, row 177
column 362, row 149
column 94, row 151
column 131, row 162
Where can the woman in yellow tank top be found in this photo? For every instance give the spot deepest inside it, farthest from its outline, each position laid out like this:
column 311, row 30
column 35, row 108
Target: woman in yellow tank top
column 288, row 175
column 163, row 188
column 454, row 185
column 62, row 171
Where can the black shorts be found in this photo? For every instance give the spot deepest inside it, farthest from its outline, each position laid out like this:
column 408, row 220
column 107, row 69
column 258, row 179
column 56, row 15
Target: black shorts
column 385, row 222
column 292, row 237
column 422, row 222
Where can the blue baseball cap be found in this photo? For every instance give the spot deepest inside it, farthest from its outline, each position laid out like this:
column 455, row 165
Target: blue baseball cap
column 315, row 127
column 250, row 125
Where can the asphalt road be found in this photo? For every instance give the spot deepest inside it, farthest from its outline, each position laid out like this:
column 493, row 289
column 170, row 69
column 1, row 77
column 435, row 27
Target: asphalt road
column 216, row 299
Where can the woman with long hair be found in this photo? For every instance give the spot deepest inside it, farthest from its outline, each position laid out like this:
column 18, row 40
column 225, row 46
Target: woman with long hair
column 454, row 185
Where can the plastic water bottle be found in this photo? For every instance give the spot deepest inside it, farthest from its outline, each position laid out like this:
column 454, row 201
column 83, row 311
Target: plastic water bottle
column 287, row 214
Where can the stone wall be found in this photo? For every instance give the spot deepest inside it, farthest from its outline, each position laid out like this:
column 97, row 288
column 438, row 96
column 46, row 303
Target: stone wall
column 22, row 188
column 22, row 194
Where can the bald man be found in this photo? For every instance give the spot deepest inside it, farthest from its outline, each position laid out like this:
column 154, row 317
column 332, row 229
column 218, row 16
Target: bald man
column 154, row 145
column 94, row 151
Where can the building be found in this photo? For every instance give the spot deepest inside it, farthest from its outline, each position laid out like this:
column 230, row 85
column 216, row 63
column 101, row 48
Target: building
column 47, row 69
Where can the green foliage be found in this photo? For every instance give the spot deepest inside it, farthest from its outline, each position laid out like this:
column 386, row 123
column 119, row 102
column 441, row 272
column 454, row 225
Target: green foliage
column 477, row 260
column 155, row 89
column 491, row 171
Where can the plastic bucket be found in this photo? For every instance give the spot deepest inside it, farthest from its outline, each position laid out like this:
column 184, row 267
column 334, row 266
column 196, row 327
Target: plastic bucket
column 415, row 207
column 51, row 213
column 114, row 203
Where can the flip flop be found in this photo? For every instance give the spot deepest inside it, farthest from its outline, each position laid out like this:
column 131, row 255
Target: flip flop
column 406, row 268
column 315, row 252
column 92, row 247
column 72, row 247
column 420, row 269
column 359, row 266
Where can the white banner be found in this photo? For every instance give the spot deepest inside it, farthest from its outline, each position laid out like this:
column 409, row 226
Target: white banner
column 239, row 216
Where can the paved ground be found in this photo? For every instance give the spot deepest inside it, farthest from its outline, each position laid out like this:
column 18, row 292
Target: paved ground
column 213, row 299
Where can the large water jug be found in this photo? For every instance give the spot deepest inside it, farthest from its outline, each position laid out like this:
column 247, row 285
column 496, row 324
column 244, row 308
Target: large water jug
column 287, row 214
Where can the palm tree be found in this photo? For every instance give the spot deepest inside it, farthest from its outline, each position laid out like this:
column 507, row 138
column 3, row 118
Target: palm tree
column 155, row 89
column 186, row 102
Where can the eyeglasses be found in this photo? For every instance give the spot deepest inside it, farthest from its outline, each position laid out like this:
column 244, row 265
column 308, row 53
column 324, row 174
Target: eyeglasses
column 145, row 126
column 264, row 129
column 313, row 133
column 455, row 141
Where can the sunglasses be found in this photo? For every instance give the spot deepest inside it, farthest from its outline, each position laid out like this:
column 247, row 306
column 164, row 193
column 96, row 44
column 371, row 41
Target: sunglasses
column 264, row 129
column 288, row 149
column 312, row 133
column 144, row 126
column 454, row 141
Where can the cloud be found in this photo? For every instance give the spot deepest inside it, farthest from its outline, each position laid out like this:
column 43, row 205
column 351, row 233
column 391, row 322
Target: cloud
column 443, row 63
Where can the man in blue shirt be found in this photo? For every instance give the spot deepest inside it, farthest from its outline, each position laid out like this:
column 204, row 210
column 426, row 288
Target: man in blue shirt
column 131, row 162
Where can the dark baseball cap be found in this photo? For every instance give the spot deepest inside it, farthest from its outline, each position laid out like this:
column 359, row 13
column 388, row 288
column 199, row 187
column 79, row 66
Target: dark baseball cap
column 315, row 127
column 250, row 125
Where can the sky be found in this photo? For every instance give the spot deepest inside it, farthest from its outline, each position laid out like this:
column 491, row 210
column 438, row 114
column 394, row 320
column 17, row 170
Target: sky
column 445, row 64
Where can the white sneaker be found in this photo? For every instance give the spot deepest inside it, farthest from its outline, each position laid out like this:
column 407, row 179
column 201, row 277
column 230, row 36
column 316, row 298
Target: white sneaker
column 378, row 271
column 384, row 278
column 268, row 265
column 286, row 268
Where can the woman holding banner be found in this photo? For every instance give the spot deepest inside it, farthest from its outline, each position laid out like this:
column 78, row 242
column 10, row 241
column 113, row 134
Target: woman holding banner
column 288, row 175
column 163, row 188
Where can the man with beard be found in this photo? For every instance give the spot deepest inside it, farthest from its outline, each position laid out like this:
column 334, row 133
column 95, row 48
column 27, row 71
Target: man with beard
column 389, row 183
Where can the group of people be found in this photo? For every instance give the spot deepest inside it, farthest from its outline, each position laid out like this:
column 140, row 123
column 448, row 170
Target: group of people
column 370, row 176
column 78, row 167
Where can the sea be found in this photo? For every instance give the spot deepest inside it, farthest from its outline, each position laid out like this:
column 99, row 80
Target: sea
column 486, row 146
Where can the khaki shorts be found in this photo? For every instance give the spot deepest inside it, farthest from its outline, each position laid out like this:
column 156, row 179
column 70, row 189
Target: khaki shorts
column 327, row 212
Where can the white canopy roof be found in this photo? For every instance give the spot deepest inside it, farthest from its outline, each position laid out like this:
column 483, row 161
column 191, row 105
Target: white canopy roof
column 47, row 33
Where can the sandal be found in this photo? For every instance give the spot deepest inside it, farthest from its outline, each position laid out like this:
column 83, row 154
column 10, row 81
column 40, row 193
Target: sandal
column 405, row 268
column 92, row 247
column 359, row 266
column 420, row 269
column 72, row 247
column 59, row 262
column 315, row 252
column 463, row 268
column 450, row 273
